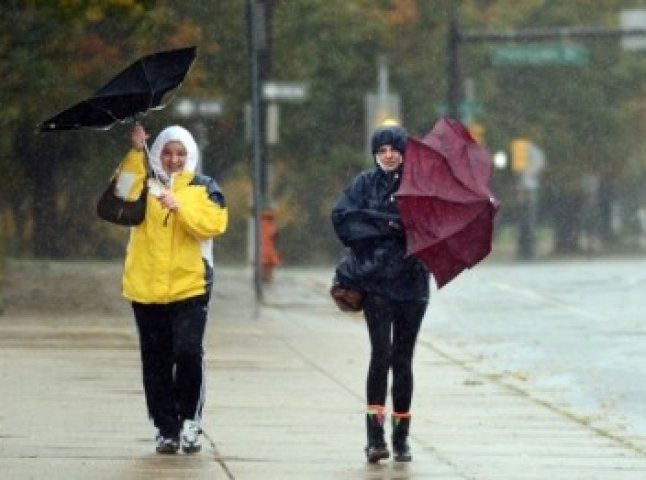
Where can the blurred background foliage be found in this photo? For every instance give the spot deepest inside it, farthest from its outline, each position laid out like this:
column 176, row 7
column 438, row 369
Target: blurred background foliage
column 588, row 119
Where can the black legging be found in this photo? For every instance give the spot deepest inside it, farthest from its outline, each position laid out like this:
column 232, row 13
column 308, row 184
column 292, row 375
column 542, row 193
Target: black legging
column 170, row 337
column 393, row 329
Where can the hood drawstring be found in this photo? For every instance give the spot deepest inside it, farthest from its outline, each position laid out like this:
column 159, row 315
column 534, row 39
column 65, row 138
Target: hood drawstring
column 168, row 184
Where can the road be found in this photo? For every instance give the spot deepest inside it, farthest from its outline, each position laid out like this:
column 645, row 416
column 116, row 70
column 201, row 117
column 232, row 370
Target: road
column 571, row 333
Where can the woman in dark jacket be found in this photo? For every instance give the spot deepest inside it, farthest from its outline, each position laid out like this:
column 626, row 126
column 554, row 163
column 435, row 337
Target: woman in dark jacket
column 396, row 287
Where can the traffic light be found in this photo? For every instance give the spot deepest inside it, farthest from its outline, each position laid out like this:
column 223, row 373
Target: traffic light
column 477, row 132
column 519, row 155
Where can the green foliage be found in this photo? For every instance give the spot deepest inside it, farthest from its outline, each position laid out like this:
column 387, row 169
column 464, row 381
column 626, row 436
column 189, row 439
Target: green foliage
column 588, row 119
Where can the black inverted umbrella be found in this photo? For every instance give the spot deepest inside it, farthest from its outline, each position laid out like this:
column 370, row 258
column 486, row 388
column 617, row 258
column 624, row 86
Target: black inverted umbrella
column 134, row 91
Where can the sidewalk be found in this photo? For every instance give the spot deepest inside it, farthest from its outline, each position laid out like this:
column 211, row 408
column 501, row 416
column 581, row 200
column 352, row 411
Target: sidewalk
column 285, row 400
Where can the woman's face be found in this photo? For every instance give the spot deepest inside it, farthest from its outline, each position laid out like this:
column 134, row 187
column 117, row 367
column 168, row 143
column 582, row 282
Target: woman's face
column 173, row 157
column 388, row 158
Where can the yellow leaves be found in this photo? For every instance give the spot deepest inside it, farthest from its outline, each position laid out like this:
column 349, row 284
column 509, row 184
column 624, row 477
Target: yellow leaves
column 125, row 4
column 187, row 33
column 94, row 53
column 404, row 12
column 237, row 191
column 95, row 11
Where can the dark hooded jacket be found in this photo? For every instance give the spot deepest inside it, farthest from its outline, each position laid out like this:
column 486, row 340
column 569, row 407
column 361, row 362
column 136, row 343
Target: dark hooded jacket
column 367, row 222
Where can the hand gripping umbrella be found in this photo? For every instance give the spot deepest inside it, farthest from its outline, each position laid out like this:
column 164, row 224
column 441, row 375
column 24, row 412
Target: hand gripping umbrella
column 134, row 91
column 137, row 89
column 445, row 201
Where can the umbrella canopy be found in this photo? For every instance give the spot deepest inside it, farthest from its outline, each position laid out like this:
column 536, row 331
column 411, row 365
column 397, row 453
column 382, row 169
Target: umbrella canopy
column 131, row 93
column 445, row 201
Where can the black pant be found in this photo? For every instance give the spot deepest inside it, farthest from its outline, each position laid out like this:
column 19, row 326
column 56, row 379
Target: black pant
column 393, row 329
column 170, row 338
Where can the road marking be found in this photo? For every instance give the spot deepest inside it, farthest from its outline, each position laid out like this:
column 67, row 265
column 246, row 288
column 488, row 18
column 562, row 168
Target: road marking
column 532, row 294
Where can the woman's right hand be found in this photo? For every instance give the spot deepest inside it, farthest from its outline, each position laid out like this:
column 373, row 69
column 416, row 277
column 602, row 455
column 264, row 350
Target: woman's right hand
column 138, row 137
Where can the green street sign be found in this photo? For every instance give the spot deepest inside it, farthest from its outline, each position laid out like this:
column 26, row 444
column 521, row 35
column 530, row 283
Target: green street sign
column 466, row 107
column 541, row 54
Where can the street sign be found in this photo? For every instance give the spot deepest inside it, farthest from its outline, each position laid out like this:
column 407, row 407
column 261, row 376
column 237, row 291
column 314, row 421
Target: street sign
column 633, row 19
column 541, row 54
column 189, row 107
column 284, row 91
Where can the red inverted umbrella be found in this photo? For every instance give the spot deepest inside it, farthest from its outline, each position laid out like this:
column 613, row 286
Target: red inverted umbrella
column 445, row 200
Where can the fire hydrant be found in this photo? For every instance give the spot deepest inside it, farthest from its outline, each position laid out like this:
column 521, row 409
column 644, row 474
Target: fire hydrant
column 270, row 257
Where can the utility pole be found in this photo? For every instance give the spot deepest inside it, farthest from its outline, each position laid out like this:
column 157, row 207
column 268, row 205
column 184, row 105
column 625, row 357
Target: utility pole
column 256, row 42
column 265, row 10
column 453, row 71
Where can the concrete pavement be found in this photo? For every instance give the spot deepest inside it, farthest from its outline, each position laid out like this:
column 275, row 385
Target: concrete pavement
column 285, row 400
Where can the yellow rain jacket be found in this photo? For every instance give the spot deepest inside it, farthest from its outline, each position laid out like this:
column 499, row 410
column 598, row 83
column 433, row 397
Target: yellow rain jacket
column 170, row 255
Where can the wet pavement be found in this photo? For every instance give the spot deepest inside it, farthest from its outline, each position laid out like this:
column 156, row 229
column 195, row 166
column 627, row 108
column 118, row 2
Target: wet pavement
column 571, row 332
column 502, row 384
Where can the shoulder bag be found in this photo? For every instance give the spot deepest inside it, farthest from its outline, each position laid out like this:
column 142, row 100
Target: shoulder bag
column 119, row 211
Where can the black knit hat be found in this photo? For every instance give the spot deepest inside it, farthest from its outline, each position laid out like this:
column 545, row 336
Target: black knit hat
column 392, row 135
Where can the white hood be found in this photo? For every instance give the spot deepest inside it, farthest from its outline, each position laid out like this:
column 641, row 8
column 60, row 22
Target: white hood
column 173, row 133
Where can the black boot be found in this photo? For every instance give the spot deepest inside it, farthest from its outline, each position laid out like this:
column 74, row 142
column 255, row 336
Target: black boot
column 376, row 449
column 401, row 450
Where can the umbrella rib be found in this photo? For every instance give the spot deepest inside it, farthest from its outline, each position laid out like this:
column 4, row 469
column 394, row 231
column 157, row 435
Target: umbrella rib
column 470, row 172
column 455, row 201
column 104, row 110
column 452, row 231
column 150, row 85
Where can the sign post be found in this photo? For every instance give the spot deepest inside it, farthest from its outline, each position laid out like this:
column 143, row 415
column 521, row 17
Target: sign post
column 383, row 105
column 256, row 39
column 527, row 162
column 275, row 92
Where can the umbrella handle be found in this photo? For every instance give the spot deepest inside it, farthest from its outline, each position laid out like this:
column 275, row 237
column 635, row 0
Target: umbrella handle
column 136, row 121
column 148, row 165
column 151, row 170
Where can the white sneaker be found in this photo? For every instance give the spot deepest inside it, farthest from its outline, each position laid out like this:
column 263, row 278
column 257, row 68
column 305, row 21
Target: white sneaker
column 167, row 444
column 190, row 437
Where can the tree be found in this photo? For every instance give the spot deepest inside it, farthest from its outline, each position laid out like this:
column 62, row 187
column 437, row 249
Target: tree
column 41, row 40
column 589, row 120
column 577, row 114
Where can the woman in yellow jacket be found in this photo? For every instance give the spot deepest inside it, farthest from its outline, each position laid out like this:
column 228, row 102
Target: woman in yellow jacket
column 168, row 276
